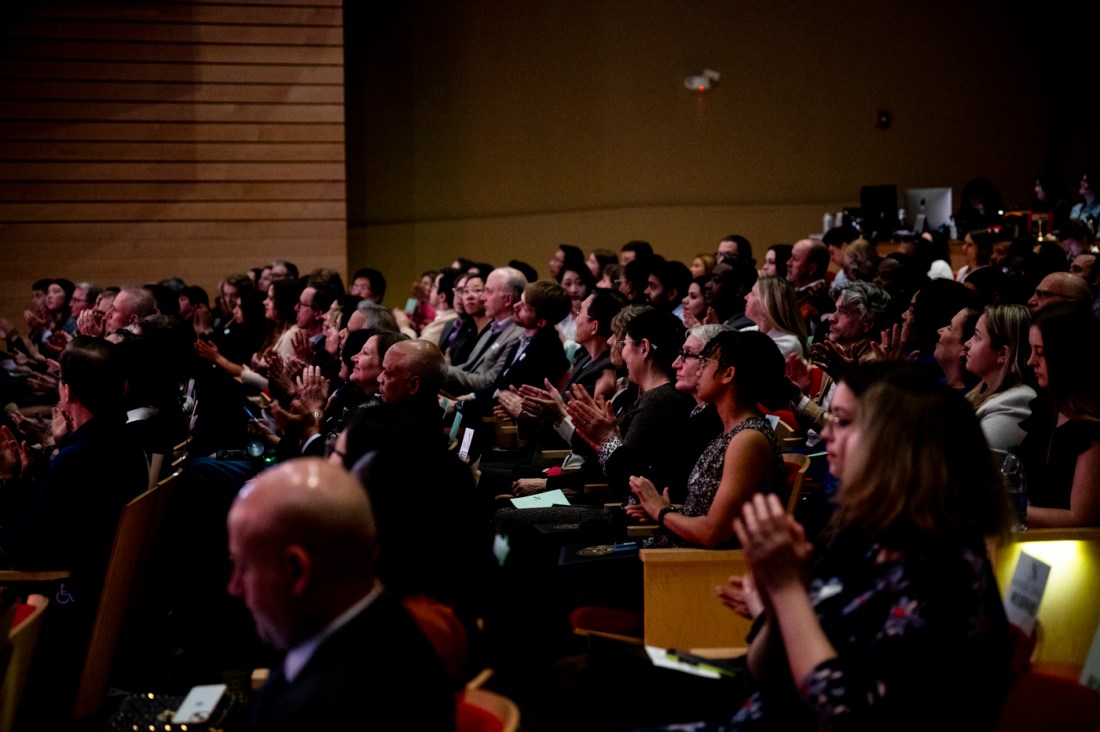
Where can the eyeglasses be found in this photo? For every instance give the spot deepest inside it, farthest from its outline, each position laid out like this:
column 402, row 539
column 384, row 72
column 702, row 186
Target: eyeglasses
column 686, row 356
column 1042, row 294
column 835, row 422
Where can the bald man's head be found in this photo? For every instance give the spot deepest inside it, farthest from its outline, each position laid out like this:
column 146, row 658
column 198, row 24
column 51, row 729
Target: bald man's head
column 302, row 542
column 410, row 369
column 808, row 263
column 1059, row 287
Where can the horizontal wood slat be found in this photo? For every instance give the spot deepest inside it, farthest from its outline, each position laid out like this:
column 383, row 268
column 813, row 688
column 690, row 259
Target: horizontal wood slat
column 162, row 131
column 147, row 262
column 169, row 211
column 21, row 239
column 192, row 91
column 289, row 35
column 142, row 139
column 134, row 170
column 173, row 151
column 105, row 191
column 170, row 111
column 48, row 57
column 186, row 13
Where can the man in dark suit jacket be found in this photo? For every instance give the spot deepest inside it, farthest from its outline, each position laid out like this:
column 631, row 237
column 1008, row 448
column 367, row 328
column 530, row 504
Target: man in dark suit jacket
column 593, row 333
column 540, row 354
column 496, row 344
column 537, row 354
column 302, row 542
column 68, row 520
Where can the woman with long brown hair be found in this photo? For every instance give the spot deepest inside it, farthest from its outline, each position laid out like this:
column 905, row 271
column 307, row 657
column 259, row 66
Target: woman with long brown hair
column 899, row 606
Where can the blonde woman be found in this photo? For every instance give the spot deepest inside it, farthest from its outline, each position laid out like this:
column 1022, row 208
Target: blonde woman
column 860, row 261
column 702, row 265
column 997, row 354
column 773, row 306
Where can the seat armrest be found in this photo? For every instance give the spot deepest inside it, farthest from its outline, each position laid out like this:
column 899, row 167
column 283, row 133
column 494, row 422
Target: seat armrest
column 16, row 575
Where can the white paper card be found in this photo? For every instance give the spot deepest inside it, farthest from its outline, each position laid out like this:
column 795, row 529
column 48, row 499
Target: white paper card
column 542, row 500
column 1025, row 592
column 660, row 657
column 1090, row 674
column 464, row 448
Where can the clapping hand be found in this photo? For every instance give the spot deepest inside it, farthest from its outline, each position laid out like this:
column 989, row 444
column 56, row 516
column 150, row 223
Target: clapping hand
column 528, row 486
column 542, row 403
column 56, row 342
column 61, row 425
column 650, row 502
column 14, row 457
column 34, row 429
column 37, row 319
column 509, row 405
column 740, row 595
column 889, row 348
column 206, row 350
column 303, row 349
column 279, row 376
column 774, row 543
column 832, row 357
column 295, row 421
column 312, row 389
column 799, row 376
column 90, row 322
column 593, row 418
column 42, row 384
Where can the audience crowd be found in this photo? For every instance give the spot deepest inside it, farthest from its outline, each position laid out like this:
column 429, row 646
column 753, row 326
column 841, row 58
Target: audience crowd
column 655, row 377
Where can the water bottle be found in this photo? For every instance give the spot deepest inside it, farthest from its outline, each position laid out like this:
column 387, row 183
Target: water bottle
column 1015, row 480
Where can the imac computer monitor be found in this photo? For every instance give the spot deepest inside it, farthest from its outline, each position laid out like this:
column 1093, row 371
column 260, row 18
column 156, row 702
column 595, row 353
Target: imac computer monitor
column 937, row 208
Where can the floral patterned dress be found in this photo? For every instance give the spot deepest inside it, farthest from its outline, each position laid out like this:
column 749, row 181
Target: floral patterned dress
column 920, row 635
column 706, row 476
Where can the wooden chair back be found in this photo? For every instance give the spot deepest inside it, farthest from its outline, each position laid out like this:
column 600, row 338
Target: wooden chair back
column 797, row 464
column 479, row 710
column 137, row 529
column 680, row 609
column 156, row 464
column 23, row 638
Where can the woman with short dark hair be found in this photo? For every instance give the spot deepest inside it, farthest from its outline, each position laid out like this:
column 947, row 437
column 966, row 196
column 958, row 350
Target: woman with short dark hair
column 736, row 371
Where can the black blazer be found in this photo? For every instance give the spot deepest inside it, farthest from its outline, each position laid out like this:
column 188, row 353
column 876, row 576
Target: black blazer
column 544, row 358
column 370, row 673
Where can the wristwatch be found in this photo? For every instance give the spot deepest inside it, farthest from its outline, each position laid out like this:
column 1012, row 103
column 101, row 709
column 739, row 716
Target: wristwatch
column 664, row 512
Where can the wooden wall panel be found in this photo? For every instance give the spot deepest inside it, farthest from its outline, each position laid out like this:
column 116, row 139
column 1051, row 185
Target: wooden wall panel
column 141, row 140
